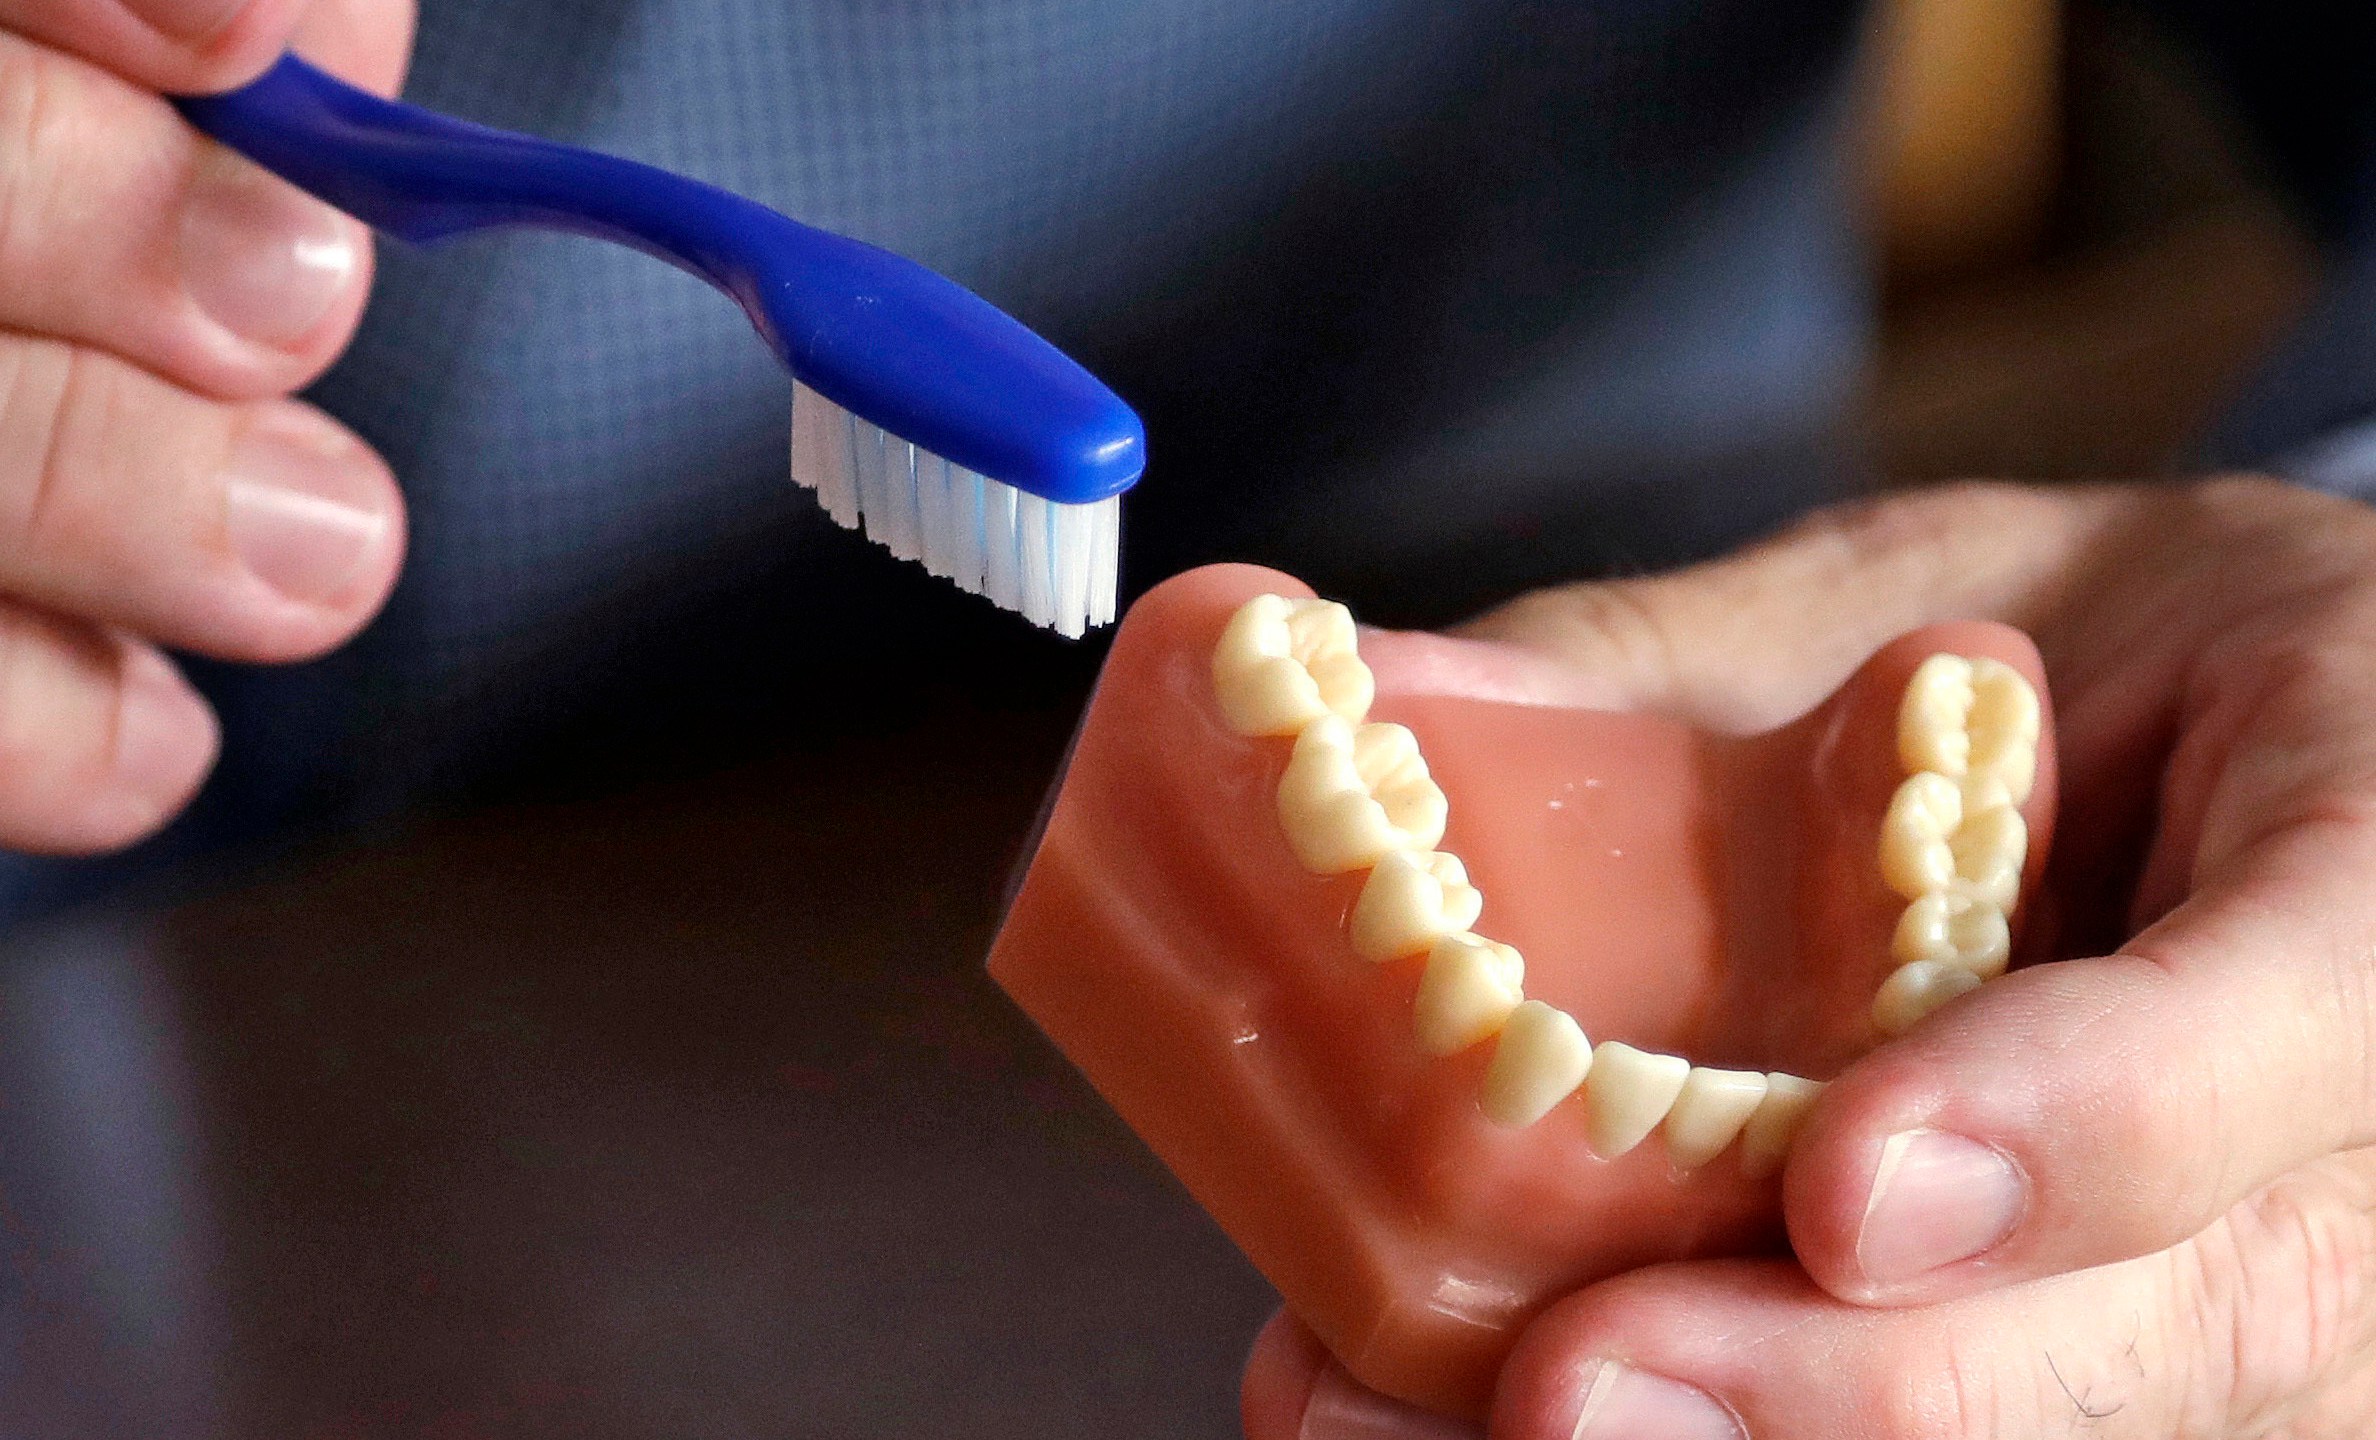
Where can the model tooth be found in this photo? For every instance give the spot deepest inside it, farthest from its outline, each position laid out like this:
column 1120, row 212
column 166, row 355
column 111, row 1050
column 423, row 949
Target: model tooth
column 1990, row 849
column 1914, row 991
column 1629, row 1093
column 1766, row 1139
column 1467, row 992
column 1951, row 929
column 1709, row 1112
column 1932, row 717
column 1348, row 797
column 1282, row 664
column 1411, row 900
column 1915, row 858
column 1388, row 761
column 1985, row 790
column 1543, row 1056
column 2004, row 728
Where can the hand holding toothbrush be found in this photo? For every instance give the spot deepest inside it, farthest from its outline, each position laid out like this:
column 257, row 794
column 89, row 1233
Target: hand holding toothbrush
column 160, row 299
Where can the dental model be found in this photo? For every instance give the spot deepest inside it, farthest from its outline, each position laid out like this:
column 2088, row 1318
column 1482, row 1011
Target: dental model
column 1447, row 997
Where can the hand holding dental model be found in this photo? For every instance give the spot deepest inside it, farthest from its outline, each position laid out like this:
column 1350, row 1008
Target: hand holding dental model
column 1449, row 1104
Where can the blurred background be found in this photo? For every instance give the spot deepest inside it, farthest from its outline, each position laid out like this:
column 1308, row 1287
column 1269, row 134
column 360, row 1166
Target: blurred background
column 674, row 1102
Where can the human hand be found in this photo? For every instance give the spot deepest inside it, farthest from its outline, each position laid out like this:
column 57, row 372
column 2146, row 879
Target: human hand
column 159, row 300
column 2140, row 1200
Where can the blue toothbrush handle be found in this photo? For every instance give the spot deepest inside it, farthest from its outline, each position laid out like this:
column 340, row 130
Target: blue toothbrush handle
column 912, row 352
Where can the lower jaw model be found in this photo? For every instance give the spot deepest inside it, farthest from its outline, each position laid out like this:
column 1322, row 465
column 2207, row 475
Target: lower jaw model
column 1336, row 941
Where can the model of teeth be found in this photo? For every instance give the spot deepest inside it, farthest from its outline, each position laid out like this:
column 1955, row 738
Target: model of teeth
column 1953, row 841
column 1357, row 796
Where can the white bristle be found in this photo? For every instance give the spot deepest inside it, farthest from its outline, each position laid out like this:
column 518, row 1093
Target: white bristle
column 1054, row 564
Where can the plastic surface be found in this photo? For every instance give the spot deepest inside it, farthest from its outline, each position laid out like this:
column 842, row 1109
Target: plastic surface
column 881, row 336
column 1709, row 896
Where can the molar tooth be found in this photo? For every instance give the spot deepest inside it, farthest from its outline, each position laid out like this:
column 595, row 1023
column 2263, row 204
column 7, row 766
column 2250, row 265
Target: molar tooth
column 1629, row 1093
column 1913, row 991
column 1543, row 1056
column 1282, row 664
column 1765, row 1140
column 1986, row 790
column 1387, row 759
column 2004, row 728
column 1950, row 929
column 1915, row 858
column 1931, row 717
column 1411, row 900
column 1468, row 990
column 1350, row 796
column 1709, row 1111
column 1990, row 849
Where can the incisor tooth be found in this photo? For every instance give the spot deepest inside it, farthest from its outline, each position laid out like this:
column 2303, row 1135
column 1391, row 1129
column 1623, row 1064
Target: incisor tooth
column 1915, row 858
column 1990, row 849
column 1411, row 900
column 1950, row 929
column 2004, row 728
column 1468, row 990
column 1350, row 796
column 1913, row 991
column 1543, row 1056
column 1931, row 717
column 1629, row 1093
column 1709, row 1112
column 1765, row 1140
column 1282, row 664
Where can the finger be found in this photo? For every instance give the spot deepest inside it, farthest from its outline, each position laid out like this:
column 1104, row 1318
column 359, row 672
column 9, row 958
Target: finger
column 101, row 741
column 176, row 46
column 263, row 532
column 2086, row 1112
column 364, row 42
column 2253, row 1326
column 126, row 231
column 1749, row 641
column 1294, row 1390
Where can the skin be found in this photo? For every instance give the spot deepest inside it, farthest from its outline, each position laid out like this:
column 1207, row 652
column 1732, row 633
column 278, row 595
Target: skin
column 159, row 301
column 2189, row 1098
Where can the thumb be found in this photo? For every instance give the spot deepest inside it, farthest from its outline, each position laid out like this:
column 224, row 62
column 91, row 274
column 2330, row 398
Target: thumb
column 1749, row 641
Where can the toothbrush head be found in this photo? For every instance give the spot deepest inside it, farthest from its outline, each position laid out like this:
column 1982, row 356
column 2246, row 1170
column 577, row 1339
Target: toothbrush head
column 952, row 434
column 1054, row 563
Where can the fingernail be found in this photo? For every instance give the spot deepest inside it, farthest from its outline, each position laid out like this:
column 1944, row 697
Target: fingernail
column 307, row 507
column 261, row 257
column 1621, row 1403
column 1936, row 1199
column 188, row 19
column 165, row 735
column 1342, row 1408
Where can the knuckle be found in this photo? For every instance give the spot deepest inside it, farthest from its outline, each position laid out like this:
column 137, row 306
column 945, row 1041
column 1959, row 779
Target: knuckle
column 42, row 389
column 2275, row 1298
column 38, row 123
column 2301, row 1255
column 1951, row 1389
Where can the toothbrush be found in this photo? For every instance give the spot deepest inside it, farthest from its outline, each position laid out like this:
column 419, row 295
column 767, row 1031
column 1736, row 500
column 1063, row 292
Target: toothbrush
column 955, row 436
